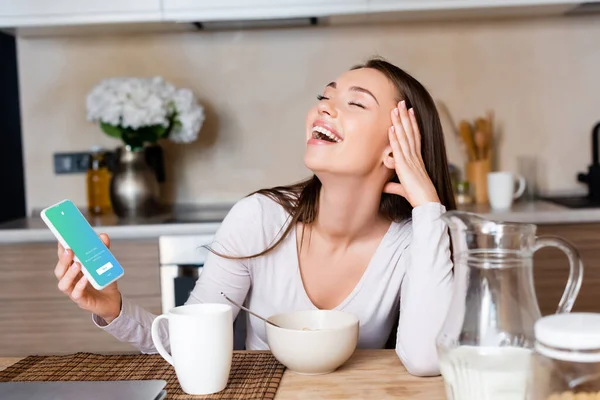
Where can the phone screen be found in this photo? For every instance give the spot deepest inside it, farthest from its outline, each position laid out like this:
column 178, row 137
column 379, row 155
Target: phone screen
column 85, row 243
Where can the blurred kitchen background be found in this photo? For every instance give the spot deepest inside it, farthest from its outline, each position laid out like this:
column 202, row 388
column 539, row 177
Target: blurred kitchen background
column 539, row 75
column 256, row 66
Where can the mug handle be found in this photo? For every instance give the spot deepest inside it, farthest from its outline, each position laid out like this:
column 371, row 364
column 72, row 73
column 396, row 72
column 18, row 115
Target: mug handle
column 575, row 271
column 156, row 339
column 521, row 188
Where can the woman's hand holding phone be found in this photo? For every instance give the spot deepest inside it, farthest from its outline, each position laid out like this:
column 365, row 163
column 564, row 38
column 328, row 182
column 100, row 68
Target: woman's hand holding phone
column 71, row 281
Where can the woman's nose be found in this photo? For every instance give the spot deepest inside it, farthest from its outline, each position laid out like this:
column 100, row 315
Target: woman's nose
column 325, row 107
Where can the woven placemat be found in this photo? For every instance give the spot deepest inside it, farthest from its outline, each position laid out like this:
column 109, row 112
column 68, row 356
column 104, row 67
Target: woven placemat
column 254, row 375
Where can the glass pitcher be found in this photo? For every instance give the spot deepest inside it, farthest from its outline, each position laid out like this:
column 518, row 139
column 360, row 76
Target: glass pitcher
column 485, row 343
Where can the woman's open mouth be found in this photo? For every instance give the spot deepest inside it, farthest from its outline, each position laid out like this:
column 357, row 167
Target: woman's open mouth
column 324, row 134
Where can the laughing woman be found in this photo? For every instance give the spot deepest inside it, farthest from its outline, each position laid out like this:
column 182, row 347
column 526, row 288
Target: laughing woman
column 363, row 235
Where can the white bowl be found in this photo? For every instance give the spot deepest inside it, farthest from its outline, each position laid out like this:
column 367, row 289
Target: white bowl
column 328, row 343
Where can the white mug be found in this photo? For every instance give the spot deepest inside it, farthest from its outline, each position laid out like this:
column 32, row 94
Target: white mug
column 501, row 189
column 201, row 338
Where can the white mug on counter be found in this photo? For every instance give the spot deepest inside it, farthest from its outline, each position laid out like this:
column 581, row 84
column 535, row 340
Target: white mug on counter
column 201, row 338
column 501, row 189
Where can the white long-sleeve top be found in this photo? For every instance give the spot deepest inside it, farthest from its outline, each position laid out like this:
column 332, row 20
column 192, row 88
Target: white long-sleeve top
column 410, row 272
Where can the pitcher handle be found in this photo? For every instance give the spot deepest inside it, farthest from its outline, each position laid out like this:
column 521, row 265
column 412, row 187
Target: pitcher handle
column 575, row 273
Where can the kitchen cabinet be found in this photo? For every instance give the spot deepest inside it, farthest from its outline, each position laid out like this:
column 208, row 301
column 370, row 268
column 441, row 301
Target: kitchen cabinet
column 14, row 13
column 443, row 9
column 169, row 14
column 551, row 268
column 207, row 10
column 449, row 4
column 36, row 318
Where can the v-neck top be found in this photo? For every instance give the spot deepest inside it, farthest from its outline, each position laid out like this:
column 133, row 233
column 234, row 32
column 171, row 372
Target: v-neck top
column 359, row 284
column 408, row 277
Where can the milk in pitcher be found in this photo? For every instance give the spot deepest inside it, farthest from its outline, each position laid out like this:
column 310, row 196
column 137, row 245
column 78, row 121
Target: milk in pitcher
column 485, row 373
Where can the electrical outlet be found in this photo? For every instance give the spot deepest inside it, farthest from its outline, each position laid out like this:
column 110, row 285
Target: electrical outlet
column 71, row 163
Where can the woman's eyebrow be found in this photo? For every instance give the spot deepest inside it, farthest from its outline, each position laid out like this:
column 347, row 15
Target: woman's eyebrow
column 356, row 89
column 363, row 90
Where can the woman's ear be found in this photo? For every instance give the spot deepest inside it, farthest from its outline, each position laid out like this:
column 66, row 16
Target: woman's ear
column 388, row 158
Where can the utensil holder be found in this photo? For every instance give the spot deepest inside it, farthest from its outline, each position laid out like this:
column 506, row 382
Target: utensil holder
column 477, row 172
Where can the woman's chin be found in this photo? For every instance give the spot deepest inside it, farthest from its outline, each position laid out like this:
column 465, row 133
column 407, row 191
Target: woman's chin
column 317, row 163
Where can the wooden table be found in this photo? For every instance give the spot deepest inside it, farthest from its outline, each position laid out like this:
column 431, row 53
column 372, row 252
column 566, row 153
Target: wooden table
column 369, row 374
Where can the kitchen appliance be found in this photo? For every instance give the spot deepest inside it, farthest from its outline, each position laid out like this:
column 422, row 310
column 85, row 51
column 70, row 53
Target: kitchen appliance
column 489, row 328
column 591, row 179
column 182, row 258
column 12, row 203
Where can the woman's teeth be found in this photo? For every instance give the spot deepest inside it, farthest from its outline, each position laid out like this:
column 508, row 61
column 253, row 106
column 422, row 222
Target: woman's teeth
column 323, row 134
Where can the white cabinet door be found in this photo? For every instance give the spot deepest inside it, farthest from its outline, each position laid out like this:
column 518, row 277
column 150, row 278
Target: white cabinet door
column 425, row 5
column 15, row 13
column 207, row 10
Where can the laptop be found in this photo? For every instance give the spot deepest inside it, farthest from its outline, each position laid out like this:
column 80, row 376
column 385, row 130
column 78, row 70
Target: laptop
column 89, row 390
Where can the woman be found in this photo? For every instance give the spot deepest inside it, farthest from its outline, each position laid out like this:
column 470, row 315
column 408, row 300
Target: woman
column 363, row 235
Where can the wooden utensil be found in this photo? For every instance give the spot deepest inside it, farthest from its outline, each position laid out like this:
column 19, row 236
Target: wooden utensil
column 467, row 136
column 490, row 132
column 484, row 142
column 481, row 144
column 481, row 124
column 248, row 310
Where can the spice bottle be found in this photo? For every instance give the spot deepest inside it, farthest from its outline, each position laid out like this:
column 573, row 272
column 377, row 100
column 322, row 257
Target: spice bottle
column 463, row 193
column 98, row 183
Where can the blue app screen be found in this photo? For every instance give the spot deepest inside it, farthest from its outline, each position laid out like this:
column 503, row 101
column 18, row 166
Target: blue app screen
column 85, row 243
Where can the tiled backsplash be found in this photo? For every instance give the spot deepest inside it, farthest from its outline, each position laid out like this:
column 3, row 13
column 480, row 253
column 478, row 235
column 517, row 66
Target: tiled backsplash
column 541, row 77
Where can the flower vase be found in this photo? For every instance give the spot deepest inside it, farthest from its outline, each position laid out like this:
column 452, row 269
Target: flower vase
column 134, row 189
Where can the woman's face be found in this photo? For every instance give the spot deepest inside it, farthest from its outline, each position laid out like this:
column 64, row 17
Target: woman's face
column 347, row 130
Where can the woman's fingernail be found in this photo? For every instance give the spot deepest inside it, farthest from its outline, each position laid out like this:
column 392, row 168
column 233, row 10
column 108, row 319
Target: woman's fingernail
column 66, row 251
column 74, row 266
column 412, row 111
column 403, row 104
column 392, row 129
column 396, row 111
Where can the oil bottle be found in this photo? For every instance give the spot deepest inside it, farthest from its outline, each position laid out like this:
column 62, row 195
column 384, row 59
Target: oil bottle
column 98, row 183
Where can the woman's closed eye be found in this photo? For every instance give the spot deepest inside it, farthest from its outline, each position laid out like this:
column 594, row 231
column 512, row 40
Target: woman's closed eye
column 320, row 97
column 353, row 103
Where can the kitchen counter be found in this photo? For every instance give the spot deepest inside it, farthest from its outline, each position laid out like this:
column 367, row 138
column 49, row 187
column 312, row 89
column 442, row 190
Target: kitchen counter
column 538, row 212
column 369, row 374
column 206, row 220
column 184, row 220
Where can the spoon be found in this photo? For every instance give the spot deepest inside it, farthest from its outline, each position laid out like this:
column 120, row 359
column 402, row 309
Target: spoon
column 247, row 310
column 583, row 379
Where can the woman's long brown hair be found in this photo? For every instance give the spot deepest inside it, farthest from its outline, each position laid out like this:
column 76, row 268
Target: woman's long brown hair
column 301, row 200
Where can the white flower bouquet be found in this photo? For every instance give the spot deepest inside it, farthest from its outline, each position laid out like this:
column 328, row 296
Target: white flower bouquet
column 143, row 110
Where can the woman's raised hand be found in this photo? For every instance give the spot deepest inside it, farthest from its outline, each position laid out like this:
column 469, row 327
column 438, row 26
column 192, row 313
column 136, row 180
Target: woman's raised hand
column 405, row 139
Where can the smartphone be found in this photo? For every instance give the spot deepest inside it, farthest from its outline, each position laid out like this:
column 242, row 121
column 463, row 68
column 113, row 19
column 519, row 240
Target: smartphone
column 73, row 231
